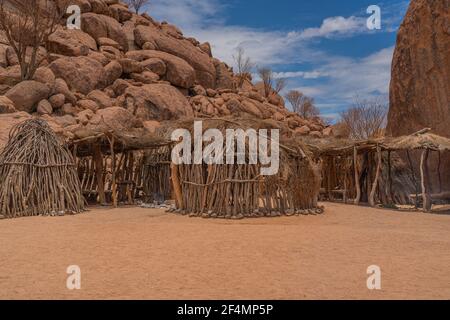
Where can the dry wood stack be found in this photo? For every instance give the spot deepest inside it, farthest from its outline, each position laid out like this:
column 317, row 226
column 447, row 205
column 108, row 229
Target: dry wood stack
column 38, row 174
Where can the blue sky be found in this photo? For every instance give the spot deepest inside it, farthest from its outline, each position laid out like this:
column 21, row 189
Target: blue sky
column 322, row 47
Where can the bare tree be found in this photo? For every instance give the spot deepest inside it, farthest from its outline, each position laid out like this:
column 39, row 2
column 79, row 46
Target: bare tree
column 271, row 85
column 27, row 24
column 302, row 105
column 366, row 118
column 244, row 65
column 137, row 5
column 280, row 84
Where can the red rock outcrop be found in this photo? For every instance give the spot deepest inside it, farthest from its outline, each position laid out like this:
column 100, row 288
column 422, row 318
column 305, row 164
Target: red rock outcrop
column 420, row 83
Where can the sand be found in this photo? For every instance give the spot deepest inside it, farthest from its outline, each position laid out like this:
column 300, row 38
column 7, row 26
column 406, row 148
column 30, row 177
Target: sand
column 136, row 253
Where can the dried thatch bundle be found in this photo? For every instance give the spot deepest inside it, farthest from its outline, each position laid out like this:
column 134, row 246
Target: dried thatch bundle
column 37, row 173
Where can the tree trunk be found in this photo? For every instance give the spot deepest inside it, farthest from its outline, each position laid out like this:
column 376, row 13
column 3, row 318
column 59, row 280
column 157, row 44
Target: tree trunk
column 358, row 186
column 375, row 180
column 99, row 174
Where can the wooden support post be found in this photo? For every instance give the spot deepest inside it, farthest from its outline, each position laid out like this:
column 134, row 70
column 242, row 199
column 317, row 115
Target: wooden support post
column 345, row 189
column 97, row 154
column 439, row 171
column 357, row 185
column 413, row 176
column 177, row 185
column 375, row 180
column 389, row 182
column 427, row 204
column 113, row 169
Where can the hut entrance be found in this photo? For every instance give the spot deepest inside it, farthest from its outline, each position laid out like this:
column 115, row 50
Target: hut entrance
column 156, row 175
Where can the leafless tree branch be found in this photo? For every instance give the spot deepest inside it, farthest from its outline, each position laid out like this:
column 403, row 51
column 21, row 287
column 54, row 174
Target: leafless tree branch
column 137, row 5
column 366, row 118
column 27, row 24
column 302, row 105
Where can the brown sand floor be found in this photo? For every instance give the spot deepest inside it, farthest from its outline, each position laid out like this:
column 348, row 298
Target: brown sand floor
column 135, row 253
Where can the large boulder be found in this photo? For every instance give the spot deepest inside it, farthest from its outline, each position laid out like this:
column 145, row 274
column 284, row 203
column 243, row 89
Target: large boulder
column 157, row 102
column 100, row 98
column 102, row 26
column 184, row 49
column 123, row 14
column 420, row 83
column 113, row 71
column 81, row 74
column 224, row 77
column 114, row 118
column 7, row 122
column 179, row 72
column 6, row 105
column 71, row 43
column 3, row 59
column 44, row 75
column 10, row 76
column 26, row 95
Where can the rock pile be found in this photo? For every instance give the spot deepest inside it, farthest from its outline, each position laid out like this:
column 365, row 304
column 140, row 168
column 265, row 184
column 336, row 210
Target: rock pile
column 147, row 68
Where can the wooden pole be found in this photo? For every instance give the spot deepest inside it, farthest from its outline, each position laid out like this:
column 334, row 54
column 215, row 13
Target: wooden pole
column 413, row 175
column 424, row 180
column 439, row 171
column 358, row 186
column 97, row 154
column 375, row 180
column 113, row 169
column 176, row 185
column 389, row 183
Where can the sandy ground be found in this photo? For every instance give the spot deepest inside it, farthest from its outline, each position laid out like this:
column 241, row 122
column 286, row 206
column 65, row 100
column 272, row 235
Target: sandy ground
column 135, row 253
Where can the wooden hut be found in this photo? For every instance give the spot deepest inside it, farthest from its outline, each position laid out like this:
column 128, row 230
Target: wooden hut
column 110, row 164
column 237, row 191
column 37, row 173
column 428, row 143
column 372, row 171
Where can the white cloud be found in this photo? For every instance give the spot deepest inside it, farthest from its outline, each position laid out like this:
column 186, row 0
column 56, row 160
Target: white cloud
column 335, row 26
column 300, row 74
column 203, row 20
column 310, row 91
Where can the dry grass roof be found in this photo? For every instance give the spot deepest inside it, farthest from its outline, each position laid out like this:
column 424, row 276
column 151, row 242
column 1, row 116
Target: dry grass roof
column 288, row 142
column 422, row 139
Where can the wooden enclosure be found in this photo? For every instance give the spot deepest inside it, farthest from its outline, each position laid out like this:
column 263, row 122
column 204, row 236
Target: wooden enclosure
column 381, row 172
column 115, row 170
column 238, row 191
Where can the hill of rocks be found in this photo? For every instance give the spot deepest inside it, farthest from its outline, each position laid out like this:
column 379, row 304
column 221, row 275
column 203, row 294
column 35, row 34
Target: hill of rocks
column 134, row 71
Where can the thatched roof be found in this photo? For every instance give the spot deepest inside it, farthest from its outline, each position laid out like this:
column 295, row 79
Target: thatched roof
column 129, row 140
column 288, row 143
column 422, row 139
column 418, row 141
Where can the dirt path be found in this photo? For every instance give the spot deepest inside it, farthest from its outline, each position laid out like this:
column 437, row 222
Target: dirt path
column 135, row 253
